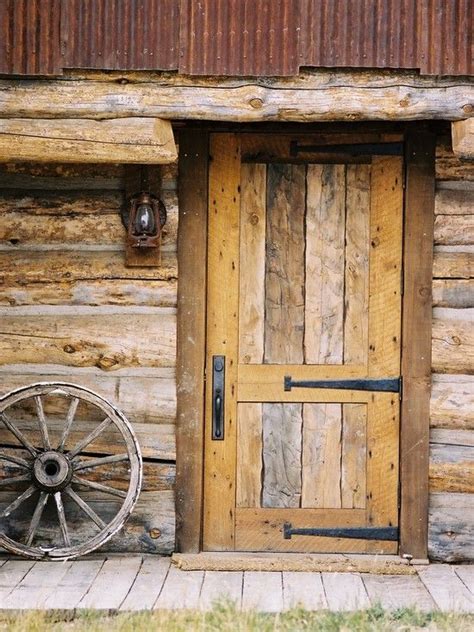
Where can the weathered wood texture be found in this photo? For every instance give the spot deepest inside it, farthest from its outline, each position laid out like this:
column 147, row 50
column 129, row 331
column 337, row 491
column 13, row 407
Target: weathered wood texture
column 123, row 140
column 312, row 96
column 71, row 311
column 451, row 511
column 463, row 138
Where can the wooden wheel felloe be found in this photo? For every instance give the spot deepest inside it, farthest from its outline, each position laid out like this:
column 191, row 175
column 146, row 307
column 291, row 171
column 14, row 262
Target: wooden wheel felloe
column 74, row 483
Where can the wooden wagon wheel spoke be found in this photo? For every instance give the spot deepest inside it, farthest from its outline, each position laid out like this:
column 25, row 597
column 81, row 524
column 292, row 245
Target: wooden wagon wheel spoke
column 85, row 465
column 19, row 435
column 99, row 487
column 85, row 508
column 74, row 528
column 42, row 423
column 14, row 459
column 16, row 503
column 41, row 504
column 62, row 518
column 68, row 425
column 14, row 479
column 90, row 438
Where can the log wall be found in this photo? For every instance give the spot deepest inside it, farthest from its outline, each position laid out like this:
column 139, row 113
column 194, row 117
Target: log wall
column 451, row 515
column 71, row 311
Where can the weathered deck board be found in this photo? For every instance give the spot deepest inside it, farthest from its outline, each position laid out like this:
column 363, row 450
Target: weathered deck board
column 182, row 589
column 264, row 593
column 393, row 592
column 12, row 573
column 446, row 588
column 38, row 584
column 148, row 584
column 345, row 591
column 74, row 585
column 221, row 586
column 112, row 584
column 304, row 589
column 466, row 575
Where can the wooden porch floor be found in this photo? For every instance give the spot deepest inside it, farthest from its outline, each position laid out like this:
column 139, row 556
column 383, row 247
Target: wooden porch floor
column 150, row 582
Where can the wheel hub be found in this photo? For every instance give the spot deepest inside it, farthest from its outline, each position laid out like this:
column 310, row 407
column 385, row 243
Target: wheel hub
column 52, row 471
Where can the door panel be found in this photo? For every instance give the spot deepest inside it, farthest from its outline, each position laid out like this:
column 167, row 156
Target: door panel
column 303, row 284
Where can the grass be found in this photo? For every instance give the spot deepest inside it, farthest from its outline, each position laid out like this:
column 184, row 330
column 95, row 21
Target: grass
column 225, row 618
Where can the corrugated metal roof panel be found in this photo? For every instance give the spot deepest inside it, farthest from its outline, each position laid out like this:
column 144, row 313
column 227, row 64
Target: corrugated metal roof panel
column 29, row 37
column 236, row 37
column 121, row 34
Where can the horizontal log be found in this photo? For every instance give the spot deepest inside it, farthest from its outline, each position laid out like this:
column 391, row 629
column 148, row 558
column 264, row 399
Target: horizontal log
column 463, row 138
column 451, row 230
column 313, row 96
column 23, row 267
column 125, row 392
column 122, row 140
column 452, row 402
column 457, row 293
column 107, row 341
column 455, row 437
column 83, row 218
column 452, row 466
column 450, row 533
column 450, row 167
column 453, row 341
column 149, row 529
column 453, row 262
column 454, row 201
column 157, row 441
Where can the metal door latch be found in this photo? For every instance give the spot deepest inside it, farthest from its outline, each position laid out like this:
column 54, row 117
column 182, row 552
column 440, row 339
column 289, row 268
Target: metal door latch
column 218, row 401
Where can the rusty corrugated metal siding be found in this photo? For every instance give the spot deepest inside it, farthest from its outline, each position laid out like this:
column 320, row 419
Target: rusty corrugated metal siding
column 236, row 37
column 29, row 37
column 120, row 34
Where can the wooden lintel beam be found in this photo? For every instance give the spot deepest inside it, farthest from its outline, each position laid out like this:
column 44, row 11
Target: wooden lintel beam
column 316, row 96
column 463, row 138
column 123, row 140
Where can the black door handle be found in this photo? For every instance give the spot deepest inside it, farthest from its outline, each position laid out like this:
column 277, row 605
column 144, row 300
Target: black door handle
column 218, row 385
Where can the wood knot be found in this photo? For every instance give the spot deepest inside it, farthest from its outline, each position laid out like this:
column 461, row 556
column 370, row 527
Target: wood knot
column 468, row 108
column 69, row 349
column 106, row 363
column 404, row 103
column 256, row 103
column 254, row 219
column 456, row 340
column 155, row 534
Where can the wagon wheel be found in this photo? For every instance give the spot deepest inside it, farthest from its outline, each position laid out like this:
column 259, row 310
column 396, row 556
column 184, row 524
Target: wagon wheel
column 53, row 473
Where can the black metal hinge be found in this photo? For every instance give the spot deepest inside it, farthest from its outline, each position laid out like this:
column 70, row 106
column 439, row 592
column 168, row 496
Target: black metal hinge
column 354, row 533
column 391, row 385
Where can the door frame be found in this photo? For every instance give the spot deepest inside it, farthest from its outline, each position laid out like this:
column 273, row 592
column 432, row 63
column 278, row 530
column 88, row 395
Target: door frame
column 416, row 336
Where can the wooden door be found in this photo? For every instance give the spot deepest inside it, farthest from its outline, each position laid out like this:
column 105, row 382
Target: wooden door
column 304, row 285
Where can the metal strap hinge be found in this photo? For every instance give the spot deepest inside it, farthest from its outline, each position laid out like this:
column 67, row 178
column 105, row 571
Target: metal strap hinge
column 391, row 385
column 354, row 533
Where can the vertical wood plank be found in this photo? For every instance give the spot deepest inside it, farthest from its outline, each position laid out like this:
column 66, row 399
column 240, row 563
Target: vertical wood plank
column 354, row 455
column 222, row 337
column 356, row 298
column 249, row 455
column 284, row 278
column 191, row 335
column 416, row 351
column 321, row 475
column 324, row 291
column 284, row 324
column 386, row 217
column 281, row 455
column 382, row 463
column 252, row 268
column 251, row 327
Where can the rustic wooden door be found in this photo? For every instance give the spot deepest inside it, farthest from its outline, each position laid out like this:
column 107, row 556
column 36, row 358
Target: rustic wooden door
column 303, row 348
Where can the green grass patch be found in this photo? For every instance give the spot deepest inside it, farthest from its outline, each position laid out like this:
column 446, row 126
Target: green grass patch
column 225, row 618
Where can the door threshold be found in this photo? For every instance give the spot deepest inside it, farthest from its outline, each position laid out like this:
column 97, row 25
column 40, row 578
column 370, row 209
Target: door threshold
column 318, row 562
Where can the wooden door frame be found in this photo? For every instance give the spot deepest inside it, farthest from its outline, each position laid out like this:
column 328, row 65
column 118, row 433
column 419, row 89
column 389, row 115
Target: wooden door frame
column 416, row 338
